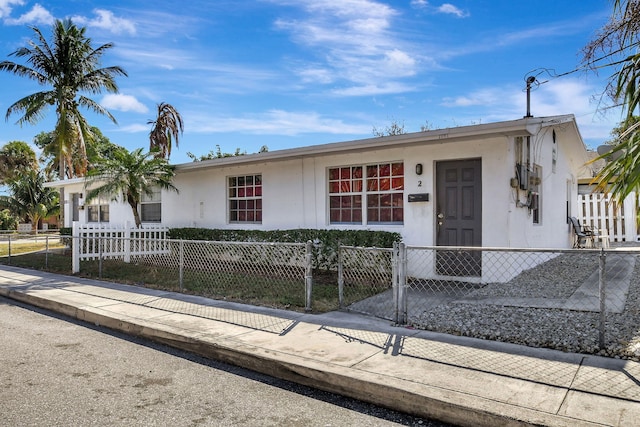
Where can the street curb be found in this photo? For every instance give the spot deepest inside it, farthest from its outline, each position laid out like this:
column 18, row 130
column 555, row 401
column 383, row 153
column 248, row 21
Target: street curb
column 405, row 396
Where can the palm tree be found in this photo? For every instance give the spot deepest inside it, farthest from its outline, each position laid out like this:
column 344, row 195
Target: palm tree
column 69, row 65
column 132, row 174
column 30, row 199
column 166, row 127
column 616, row 46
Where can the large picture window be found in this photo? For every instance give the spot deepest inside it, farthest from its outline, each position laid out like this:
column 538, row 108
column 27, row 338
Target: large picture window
column 245, row 199
column 98, row 210
column 151, row 207
column 371, row 194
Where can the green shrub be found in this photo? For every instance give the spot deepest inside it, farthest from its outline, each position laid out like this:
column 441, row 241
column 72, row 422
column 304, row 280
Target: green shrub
column 7, row 220
column 326, row 242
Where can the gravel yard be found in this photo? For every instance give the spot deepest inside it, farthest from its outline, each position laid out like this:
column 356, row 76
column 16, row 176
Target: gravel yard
column 571, row 330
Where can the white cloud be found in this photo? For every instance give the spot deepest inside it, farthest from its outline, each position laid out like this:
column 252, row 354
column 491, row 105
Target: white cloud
column 400, row 62
column 37, row 15
column 556, row 97
column 355, row 41
column 122, row 102
column 372, row 90
column 446, row 8
column 316, row 75
column 106, row 20
column 419, row 3
column 452, row 10
column 276, row 122
column 134, row 128
column 6, row 6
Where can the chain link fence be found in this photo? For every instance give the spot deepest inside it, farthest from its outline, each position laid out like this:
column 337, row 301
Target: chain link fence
column 573, row 300
column 584, row 300
column 40, row 245
column 267, row 274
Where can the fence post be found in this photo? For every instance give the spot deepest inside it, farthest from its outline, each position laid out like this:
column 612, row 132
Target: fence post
column 100, row 237
column 9, row 253
column 308, row 278
column 602, row 288
column 395, row 281
column 340, row 278
column 75, row 247
column 127, row 242
column 46, row 251
column 181, row 265
column 630, row 212
column 402, row 284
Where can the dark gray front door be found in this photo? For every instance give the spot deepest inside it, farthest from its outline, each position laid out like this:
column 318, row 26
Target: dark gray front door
column 75, row 206
column 459, row 216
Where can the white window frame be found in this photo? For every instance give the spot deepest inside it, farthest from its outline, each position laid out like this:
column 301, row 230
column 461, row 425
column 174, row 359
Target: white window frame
column 153, row 200
column 102, row 205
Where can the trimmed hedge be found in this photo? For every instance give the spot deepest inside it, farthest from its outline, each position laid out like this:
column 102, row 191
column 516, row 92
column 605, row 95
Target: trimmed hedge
column 326, row 242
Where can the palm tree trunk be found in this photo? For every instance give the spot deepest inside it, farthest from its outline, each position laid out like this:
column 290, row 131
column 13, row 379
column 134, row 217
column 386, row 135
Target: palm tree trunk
column 61, row 176
column 136, row 215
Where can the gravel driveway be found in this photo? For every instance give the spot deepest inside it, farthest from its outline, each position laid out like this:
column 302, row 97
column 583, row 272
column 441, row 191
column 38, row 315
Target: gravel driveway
column 534, row 308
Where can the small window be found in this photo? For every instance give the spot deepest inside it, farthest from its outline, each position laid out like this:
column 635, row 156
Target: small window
column 98, row 210
column 245, row 199
column 151, row 207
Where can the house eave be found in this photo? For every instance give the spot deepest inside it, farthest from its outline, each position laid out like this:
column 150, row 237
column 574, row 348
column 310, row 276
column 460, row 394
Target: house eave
column 522, row 127
column 64, row 182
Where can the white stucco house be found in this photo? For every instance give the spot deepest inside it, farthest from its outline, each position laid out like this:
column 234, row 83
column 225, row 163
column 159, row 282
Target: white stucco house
column 504, row 184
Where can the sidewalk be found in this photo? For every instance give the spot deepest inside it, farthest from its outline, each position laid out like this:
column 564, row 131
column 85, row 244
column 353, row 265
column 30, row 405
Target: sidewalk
column 458, row 380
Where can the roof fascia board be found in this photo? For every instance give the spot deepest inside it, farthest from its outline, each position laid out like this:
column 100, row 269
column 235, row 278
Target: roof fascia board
column 520, row 127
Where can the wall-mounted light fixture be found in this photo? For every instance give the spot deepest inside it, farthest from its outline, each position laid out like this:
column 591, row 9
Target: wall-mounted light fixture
column 419, row 169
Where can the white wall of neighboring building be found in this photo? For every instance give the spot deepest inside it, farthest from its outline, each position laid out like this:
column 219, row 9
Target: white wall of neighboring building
column 295, row 185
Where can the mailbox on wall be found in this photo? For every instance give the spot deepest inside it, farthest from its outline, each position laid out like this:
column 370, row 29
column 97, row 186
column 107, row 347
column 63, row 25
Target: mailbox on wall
column 420, row 197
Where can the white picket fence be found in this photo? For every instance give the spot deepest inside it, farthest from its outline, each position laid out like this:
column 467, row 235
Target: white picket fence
column 103, row 241
column 601, row 212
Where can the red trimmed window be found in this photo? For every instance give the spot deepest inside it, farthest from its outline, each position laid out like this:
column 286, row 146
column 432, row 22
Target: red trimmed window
column 245, row 198
column 381, row 186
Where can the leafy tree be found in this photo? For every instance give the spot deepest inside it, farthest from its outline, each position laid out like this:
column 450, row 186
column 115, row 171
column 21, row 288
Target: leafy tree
column 218, row 154
column 394, row 128
column 167, row 126
column 16, row 157
column 616, row 46
column 68, row 65
column 7, row 220
column 30, row 199
column 131, row 174
column 97, row 148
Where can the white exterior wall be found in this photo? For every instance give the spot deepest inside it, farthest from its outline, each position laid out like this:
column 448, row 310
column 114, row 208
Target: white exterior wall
column 295, row 189
column 119, row 213
column 295, row 194
column 557, row 188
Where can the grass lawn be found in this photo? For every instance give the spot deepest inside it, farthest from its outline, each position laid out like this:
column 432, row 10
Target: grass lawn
column 241, row 285
column 28, row 245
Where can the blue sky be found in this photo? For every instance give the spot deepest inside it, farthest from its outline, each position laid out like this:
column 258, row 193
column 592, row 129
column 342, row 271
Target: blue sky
column 292, row 73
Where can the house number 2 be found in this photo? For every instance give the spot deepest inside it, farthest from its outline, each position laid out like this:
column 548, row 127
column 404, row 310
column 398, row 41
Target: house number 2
column 419, row 183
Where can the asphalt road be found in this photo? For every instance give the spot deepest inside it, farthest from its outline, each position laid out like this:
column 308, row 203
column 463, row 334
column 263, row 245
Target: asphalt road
column 55, row 371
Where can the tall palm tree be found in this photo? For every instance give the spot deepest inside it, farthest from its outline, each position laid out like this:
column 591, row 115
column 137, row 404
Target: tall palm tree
column 132, row 174
column 30, row 199
column 165, row 128
column 69, row 66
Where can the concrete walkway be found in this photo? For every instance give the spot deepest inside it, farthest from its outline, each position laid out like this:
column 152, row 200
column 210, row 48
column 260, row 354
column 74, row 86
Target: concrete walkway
column 585, row 298
column 458, row 380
